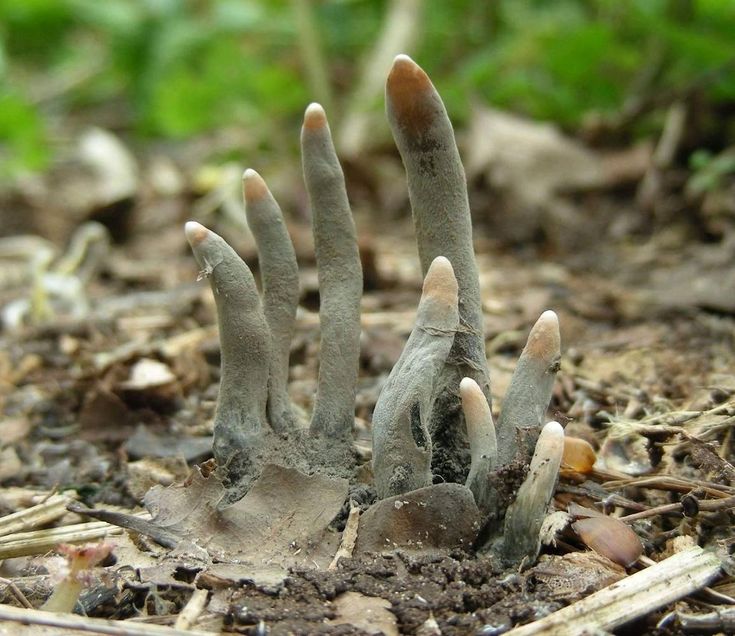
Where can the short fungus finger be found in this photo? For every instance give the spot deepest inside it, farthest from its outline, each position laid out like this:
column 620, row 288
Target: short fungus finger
column 529, row 393
column 437, row 189
column 280, row 276
column 245, row 344
column 521, row 543
column 483, row 445
column 401, row 442
column 340, row 279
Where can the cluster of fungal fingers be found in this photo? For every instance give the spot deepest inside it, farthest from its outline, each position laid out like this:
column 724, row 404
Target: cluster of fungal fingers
column 433, row 420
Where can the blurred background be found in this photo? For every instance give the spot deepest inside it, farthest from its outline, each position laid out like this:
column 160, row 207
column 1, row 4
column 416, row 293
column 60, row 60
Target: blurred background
column 584, row 124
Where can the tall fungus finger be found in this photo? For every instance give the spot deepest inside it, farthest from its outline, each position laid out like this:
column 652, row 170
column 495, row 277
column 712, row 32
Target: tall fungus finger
column 340, row 279
column 245, row 344
column 437, row 190
column 280, row 276
column 529, row 392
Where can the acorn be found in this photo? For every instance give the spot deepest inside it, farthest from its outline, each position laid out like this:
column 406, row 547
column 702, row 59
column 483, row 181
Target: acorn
column 578, row 456
column 611, row 538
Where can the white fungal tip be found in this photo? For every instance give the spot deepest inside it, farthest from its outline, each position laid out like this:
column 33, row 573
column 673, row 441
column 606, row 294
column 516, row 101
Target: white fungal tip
column 549, row 317
column 544, row 342
column 195, row 232
column 402, row 58
column 468, row 385
column 315, row 117
column 440, row 281
column 254, row 188
column 552, row 430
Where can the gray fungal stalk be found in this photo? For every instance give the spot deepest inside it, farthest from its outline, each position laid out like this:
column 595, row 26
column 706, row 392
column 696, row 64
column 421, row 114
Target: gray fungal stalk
column 437, row 189
column 529, row 392
column 245, row 342
column 340, row 279
column 280, row 277
column 402, row 445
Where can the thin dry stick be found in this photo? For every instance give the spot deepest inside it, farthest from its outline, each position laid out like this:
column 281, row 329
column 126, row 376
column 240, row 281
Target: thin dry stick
column 192, row 610
column 631, row 598
column 709, row 505
column 24, row 520
column 86, row 624
column 41, row 541
column 19, row 596
column 340, row 278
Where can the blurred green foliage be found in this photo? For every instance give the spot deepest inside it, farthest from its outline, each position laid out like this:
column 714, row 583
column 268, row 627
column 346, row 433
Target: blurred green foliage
column 178, row 68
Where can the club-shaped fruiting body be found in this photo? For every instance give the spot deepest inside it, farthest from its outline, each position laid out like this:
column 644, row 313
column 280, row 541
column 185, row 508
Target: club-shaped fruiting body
column 521, row 541
column 529, row 392
column 438, row 192
column 440, row 381
column 280, row 278
column 402, row 445
column 245, row 343
column 483, row 445
column 340, row 278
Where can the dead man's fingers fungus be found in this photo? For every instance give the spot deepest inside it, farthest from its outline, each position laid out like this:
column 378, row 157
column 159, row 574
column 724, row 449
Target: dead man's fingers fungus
column 280, row 278
column 402, row 445
column 340, row 278
column 437, row 190
column 245, row 345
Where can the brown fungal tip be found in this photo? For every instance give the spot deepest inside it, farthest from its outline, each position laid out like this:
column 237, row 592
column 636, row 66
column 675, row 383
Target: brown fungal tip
column 409, row 92
column 315, row 117
column 195, row 233
column 253, row 186
column 474, row 403
column 544, row 341
column 440, row 282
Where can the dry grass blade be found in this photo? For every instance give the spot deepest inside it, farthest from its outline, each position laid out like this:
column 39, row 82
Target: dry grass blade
column 41, row 541
column 25, row 520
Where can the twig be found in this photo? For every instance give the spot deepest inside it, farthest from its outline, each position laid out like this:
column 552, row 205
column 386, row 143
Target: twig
column 25, row 520
column 192, row 610
column 86, row 624
column 41, row 541
column 706, row 506
column 19, row 596
column 349, row 538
